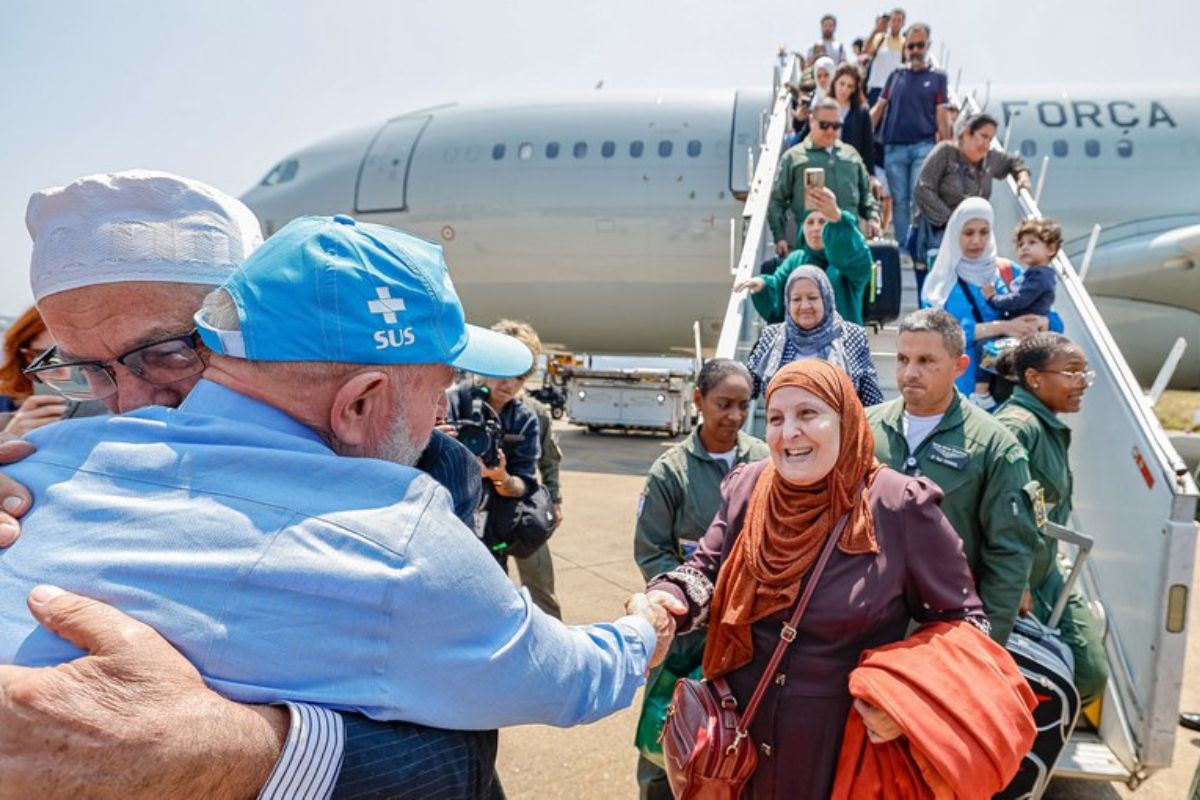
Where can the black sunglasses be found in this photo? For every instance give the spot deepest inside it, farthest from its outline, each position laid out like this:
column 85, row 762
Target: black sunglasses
column 915, row 46
column 829, row 126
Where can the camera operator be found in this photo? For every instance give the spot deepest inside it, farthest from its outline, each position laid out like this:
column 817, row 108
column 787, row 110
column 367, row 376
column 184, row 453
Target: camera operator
column 510, row 464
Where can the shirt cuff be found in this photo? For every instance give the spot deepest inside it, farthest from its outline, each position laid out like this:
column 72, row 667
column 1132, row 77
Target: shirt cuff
column 643, row 633
column 311, row 759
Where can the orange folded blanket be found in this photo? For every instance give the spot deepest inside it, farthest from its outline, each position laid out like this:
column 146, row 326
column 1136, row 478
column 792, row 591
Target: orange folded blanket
column 965, row 710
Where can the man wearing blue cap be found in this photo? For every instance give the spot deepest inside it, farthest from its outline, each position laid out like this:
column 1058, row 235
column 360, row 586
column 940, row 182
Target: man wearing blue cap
column 282, row 571
column 121, row 261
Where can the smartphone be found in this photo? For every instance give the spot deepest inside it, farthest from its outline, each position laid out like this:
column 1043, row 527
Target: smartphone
column 813, row 176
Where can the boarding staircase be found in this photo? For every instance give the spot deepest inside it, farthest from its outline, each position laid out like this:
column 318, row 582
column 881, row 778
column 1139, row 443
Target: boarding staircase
column 1133, row 495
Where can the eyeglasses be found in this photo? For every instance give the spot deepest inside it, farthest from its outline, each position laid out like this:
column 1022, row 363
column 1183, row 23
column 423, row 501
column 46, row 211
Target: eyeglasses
column 28, row 354
column 1087, row 377
column 915, row 46
column 161, row 363
column 829, row 126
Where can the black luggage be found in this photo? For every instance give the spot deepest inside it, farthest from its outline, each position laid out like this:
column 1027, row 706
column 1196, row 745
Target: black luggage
column 882, row 302
column 769, row 266
column 1047, row 663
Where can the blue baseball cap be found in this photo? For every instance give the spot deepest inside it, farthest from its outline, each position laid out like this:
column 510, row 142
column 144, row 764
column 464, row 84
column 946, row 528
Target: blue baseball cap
column 335, row 289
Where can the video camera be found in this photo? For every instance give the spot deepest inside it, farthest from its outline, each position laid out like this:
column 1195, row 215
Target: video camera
column 481, row 432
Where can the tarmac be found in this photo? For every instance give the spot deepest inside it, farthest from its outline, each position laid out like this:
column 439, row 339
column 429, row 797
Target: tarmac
column 602, row 475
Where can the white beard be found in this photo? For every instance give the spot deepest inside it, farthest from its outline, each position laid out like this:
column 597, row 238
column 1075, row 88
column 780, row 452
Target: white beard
column 397, row 446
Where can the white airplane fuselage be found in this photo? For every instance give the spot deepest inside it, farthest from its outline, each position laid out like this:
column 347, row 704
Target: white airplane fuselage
column 604, row 218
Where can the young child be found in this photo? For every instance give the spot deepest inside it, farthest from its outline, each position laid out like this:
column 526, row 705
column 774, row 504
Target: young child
column 1038, row 241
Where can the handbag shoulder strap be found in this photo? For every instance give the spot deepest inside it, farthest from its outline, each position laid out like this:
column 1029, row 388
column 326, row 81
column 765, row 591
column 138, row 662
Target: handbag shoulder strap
column 966, row 290
column 788, row 633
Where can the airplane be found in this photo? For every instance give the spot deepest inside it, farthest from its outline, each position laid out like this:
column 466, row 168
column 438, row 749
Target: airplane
column 607, row 219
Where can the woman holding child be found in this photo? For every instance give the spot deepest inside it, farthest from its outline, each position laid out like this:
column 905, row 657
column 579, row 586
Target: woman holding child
column 971, row 282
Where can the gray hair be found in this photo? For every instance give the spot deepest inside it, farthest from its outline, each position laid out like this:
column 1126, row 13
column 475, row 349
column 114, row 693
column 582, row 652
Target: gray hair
column 715, row 371
column 936, row 320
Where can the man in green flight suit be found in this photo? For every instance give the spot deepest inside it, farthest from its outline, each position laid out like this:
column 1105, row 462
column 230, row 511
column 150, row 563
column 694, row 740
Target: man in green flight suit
column 984, row 472
column 845, row 174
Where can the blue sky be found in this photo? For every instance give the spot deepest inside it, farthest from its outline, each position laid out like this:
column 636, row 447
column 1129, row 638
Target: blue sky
column 220, row 90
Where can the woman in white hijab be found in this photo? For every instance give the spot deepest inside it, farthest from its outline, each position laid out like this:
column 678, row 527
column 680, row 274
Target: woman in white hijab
column 966, row 262
column 823, row 69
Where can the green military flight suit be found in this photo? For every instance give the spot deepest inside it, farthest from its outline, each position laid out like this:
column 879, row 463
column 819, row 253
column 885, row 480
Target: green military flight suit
column 845, row 175
column 682, row 495
column 1047, row 441
column 989, row 495
column 537, row 571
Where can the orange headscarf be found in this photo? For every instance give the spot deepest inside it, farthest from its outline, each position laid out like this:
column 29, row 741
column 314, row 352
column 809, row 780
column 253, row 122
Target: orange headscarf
column 786, row 525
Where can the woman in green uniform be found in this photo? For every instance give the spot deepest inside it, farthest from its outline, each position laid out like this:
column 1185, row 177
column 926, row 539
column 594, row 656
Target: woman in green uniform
column 681, row 498
column 1052, row 376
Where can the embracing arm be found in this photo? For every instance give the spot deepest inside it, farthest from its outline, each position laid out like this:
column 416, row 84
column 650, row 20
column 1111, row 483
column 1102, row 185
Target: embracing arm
column 132, row 719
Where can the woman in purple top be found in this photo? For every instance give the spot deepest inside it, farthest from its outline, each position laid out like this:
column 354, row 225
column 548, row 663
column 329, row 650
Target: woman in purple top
column 897, row 559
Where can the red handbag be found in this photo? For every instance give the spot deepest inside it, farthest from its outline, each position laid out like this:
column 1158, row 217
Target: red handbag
column 706, row 744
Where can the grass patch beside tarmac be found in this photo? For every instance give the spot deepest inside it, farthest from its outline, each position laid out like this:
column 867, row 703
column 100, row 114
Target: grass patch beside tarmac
column 1179, row 410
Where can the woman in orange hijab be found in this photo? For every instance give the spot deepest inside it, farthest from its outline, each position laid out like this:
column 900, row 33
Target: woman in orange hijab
column 897, row 559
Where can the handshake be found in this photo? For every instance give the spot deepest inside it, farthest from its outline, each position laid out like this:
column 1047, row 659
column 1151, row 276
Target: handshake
column 659, row 609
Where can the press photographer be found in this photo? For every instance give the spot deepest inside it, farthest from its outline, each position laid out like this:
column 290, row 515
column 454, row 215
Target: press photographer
column 518, row 513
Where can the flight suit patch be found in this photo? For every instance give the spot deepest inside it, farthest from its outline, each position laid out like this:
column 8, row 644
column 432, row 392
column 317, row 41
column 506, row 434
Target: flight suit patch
column 641, row 504
column 1040, row 512
column 948, row 456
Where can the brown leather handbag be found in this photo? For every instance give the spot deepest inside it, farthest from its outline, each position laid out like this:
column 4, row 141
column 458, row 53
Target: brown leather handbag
column 706, row 744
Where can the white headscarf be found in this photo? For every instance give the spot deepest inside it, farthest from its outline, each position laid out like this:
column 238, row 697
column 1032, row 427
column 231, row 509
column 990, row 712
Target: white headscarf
column 830, row 66
column 951, row 264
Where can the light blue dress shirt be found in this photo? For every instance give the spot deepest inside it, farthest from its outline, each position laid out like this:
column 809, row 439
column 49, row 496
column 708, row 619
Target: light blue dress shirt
column 285, row 572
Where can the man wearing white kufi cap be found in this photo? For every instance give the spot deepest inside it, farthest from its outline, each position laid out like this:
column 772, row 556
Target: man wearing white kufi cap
column 120, row 264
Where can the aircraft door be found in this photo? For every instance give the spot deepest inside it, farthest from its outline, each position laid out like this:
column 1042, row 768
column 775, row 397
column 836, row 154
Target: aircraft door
column 749, row 106
column 383, row 175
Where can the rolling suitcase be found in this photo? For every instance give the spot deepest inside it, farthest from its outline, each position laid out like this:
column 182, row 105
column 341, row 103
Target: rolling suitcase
column 1049, row 666
column 882, row 303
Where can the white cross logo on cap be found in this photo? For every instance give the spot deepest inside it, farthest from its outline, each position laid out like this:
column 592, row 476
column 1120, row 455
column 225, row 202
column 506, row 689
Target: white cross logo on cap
column 386, row 305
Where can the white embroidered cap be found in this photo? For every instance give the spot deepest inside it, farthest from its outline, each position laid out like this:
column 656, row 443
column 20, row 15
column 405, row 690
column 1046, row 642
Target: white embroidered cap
column 136, row 225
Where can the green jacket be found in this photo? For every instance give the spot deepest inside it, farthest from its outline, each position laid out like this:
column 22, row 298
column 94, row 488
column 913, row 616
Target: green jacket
column 550, row 460
column 989, row 495
column 1047, row 441
column 681, row 498
column 847, row 262
column 845, row 175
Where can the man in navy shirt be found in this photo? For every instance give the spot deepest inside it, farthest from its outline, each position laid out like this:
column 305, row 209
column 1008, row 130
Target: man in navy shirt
column 912, row 111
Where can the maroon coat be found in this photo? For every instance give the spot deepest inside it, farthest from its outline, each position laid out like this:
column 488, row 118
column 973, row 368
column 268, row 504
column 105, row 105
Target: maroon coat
column 861, row 602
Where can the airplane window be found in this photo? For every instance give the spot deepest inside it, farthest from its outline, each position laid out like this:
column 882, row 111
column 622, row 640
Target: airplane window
column 1124, row 148
column 636, row 148
column 580, row 149
column 498, row 152
column 1060, row 148
column 272, row 177
column 289, row 171
column 525, row 151
column 607, row 149
column 664, row 149
column 1029, row 148
column 694, row 148
column 552, row 150
column 1092, row 148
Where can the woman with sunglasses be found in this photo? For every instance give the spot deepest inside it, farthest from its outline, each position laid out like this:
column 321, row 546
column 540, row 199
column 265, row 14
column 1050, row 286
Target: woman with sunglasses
column 21, row 410
column 1052, row 375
